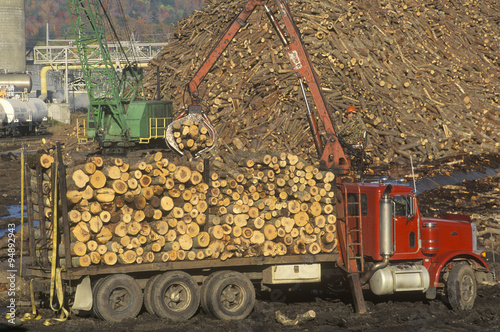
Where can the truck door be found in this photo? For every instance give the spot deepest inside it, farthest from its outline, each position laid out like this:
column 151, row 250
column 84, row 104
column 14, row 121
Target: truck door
column 406, row 225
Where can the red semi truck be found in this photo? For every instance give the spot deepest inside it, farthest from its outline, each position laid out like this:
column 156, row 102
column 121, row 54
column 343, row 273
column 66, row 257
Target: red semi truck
column 404, row 251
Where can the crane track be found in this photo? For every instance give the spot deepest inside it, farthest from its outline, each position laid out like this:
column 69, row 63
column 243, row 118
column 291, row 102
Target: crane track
column 23, row 138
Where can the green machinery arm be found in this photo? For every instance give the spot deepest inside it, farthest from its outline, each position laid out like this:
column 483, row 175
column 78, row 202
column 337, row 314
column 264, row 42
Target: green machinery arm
column 104, row 87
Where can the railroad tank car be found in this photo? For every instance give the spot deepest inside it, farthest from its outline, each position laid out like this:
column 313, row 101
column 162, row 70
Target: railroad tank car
column 18, row 117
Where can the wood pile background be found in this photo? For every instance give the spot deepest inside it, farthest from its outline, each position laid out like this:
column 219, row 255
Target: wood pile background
column 156, row 210
column 425, row 75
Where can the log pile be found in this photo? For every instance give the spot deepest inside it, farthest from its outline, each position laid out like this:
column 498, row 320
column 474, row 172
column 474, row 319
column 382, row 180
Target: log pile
column 157, row 210
column 423, row 75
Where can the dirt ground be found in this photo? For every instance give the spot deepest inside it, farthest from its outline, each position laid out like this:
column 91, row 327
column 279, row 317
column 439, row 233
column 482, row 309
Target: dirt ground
column 333, row 308
column 333, row 313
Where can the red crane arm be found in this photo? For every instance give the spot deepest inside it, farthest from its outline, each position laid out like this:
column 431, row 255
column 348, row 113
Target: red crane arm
column 221, row 45
column 331, row 153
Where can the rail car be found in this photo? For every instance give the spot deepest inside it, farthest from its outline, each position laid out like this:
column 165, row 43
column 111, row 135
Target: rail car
column 22, row 117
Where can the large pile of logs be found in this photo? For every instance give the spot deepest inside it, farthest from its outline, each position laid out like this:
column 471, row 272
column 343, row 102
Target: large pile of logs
column 157, row 210
column 423, row 74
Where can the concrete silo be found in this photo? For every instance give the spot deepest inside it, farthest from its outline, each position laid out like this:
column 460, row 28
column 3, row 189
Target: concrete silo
column 13, row 41
column 17, row 115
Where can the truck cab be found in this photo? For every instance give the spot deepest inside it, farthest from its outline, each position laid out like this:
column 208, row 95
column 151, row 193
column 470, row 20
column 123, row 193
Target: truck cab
column 404, row 251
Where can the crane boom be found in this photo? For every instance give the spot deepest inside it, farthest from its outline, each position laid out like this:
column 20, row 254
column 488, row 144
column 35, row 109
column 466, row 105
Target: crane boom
column 331, row 153
column 116, row 119
column 100, row 77
column 329, row 149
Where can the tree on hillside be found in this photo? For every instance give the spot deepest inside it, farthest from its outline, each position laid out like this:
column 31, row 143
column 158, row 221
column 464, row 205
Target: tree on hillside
column 147, row 19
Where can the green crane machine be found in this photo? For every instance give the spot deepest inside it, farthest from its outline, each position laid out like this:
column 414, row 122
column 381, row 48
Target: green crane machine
column 118, row 116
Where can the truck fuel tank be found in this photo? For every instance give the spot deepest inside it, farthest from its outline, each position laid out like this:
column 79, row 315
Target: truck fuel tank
column 400, row 278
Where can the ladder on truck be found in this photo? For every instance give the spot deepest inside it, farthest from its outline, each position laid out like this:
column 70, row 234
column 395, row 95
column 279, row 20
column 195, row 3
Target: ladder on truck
column 350, row 234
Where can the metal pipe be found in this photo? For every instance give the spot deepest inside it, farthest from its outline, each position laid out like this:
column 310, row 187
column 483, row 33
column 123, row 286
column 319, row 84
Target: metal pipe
column 276, row 26
column 375, row 268
column 158, row 85
column 493, row 252
column 385, row 220
column 312, row 122
column 46, row 69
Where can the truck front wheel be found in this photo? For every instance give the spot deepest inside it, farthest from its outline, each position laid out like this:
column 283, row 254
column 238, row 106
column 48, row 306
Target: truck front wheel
column 461, row 287
column 175, row 296
column 229, row 295
column 118, row 297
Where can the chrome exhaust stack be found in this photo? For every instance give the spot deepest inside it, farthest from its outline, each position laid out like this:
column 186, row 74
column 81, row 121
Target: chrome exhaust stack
column 386, row 244
column 385, row 216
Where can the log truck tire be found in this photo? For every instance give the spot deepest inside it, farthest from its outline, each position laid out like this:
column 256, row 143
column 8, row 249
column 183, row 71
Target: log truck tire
column 176, row 296
column 148, row 294
column 118, row 297
column 461, row 287
column 230, row 296
column 205, row 291
column 94, row 298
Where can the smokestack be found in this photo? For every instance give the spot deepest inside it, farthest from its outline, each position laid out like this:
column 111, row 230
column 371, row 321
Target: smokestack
column 13, row 41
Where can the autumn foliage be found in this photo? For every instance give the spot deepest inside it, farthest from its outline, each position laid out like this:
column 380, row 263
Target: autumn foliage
column 149, row 20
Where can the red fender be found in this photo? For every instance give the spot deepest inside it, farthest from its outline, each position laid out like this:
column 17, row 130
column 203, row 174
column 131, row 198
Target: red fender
column 440, row 261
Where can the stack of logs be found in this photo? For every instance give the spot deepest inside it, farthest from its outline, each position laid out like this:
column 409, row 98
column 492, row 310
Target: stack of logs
column 424, row 76
column 158, row 210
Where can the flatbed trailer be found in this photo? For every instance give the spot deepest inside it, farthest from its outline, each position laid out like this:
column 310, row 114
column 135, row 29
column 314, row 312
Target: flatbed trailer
column 257, row 264
column 92, row 287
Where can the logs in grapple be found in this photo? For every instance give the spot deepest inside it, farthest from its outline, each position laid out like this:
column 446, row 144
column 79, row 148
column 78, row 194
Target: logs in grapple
column 191, row 135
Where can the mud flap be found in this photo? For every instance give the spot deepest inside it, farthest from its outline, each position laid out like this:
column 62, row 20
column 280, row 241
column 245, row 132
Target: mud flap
column 431, row 293
column 83, row 295
column 486, row 277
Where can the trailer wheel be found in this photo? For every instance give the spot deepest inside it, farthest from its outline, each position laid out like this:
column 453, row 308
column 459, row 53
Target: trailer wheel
column 94, row 297
column 231, row 296
column 461, row 287
column 118, row 297
column 176, row 296
column 148, row 295
column 205, row 291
